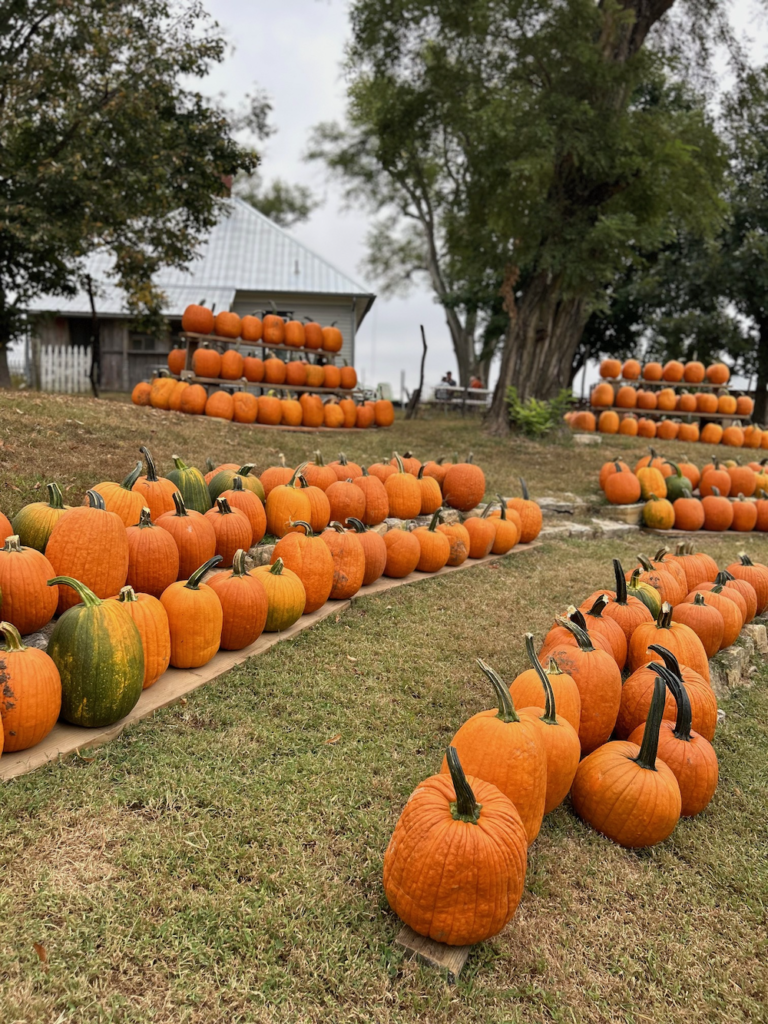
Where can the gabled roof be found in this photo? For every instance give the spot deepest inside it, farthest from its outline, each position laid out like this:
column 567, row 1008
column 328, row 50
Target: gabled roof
column 245, row 252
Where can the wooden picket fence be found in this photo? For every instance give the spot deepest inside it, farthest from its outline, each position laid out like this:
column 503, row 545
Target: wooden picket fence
column 65, row 368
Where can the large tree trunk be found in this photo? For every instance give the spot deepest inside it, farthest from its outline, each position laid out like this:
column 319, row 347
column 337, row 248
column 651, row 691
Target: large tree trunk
column 761, row 389
column 5, row 373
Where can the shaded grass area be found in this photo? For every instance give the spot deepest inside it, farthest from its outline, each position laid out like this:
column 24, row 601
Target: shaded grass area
column 221, row 862
column 80, row 441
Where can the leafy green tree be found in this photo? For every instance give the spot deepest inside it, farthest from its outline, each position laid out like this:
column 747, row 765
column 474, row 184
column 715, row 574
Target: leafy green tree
column 282, row 202
column 103, row 146
column 539, row 143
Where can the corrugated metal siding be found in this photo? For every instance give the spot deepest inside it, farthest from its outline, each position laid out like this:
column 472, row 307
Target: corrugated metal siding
column 324, row 311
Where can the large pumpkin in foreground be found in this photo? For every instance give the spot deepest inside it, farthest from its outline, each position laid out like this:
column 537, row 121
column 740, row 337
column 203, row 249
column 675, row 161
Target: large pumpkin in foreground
column 455, row 866
column 97, row 649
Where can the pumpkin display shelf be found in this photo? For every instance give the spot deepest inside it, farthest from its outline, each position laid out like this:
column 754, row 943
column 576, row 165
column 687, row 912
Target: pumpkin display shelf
column 642, row 382
column 242, row 383
column 677, row 414
column 193, row 340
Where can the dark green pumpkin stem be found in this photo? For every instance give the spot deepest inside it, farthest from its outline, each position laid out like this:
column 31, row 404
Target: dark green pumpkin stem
column 503, row 506
column 87, row 596
column 210, row 465
column 334, row 525
column 223, row 506
column 550, row 712
column 318, row 459
column 577, row 617
column 745, row 559
column 524, row 489
column 357, row 525
column 465, row 807
column 487, row 509
column 645, row 562
column 95, row 500
column 470, row 459
column 664, row 620
column 682, row 730
column 193, row 583
column 621, row 583
column 420, row 474
column 237, row 483
column 151, row 471
column 342, row 459
column 55, row 498
column 12, row 637
column 132, row 477
column 127, row 595
column 145, row 518
column 507, row 711
column 582, row 637
column 307, row 528
column 729, row 576
column 238, row 563
column 650, row 744
column 246, row 469
column 277, row 568
column 674, row 465
column 179, row 464
column 12, row 544
column 434, row 521
column 181, row 508
column 716, row 491
column 722, row 578
column 667, row 657
column 699, row 599
column 597, row 609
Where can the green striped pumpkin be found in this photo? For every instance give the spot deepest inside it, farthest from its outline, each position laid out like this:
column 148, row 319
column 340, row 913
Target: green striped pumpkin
column 33, row 523
column 191, row 483
column 223, row 482
column 98, row 651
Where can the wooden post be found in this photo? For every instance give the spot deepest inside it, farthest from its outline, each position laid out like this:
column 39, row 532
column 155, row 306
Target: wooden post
column 413, row 405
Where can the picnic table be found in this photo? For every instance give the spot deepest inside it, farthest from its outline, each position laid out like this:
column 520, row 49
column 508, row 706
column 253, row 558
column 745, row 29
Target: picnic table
column 453, row 396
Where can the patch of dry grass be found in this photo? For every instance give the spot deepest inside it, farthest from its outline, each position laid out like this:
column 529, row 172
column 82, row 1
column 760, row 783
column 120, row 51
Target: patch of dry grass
column 221, row 862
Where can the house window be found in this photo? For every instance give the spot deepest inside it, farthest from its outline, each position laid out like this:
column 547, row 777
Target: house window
column 142, row 342
column 80, row 330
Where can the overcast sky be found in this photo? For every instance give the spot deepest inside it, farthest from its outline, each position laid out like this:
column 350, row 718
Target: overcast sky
column 293, row 49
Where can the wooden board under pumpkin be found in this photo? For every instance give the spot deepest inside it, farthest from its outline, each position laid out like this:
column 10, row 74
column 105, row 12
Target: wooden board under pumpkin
column 176, row 683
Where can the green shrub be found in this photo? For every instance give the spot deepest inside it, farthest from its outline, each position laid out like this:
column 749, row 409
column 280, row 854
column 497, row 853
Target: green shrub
column 535, row 417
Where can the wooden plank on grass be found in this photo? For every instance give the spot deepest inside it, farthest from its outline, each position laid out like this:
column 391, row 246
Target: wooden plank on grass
column 450, row 959
column 177, row 683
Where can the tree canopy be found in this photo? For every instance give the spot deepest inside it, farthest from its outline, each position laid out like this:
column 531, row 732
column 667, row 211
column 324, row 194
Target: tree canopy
column 104, row 146
column 522, row 154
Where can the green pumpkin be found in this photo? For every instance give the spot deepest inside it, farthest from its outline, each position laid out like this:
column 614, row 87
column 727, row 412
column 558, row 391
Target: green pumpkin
column 34, row 523
column 223, row 482
column 678, row 485
column 191, row 483
column 98, row 651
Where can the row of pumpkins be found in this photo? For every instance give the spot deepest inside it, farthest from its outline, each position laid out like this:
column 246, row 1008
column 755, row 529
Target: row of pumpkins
column 610, row 422
column 271, row 330
column 233, row 365
column 668, row 400
column 243, row 407
column 679, row 495
column 673, row 371
column 124, row 571
column 634, row 756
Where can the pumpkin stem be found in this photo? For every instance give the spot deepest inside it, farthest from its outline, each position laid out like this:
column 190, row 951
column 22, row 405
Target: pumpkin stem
column 193, row 583
column 131, row 479
column 667, row 657
column 682, row 730
column 356, row 524
column 582, row 637
column 127, row 595
column 318, row 459
column 664, row 620
column 151, row 471
column 503, row 506
column 178, row 501
column 223, row 506
column 744, row 558
column 281, row 460
column 434, row 521
column 300, row 522
column 277, row 568
column 621, row 583
column 95, row 500
column 553, row 669
column 507, row 711
column 210, row 465
column 237, row 483
column 729, row 576
column 420, row 474
column 238, row 563
column 524, row 489
column 55, row 498
column 716, row 491
column 12, row 543
column 650, row 745
column 699, row 599
column 464, row 807
column 643, row 559
column 597, row 609
column 399, row 461
column 659, row 556
column 334, row 525
column 550, row 715
column 13, row 640
column 87, row 596
column 722, row 578
column 145, row 518
column 179, row 463
column 246, row 469
column 296, row 473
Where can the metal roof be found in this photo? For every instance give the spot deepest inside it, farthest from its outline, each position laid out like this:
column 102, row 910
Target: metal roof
column 245, row 251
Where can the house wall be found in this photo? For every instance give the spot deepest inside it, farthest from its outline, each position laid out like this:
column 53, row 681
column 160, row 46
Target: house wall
column 323, row 309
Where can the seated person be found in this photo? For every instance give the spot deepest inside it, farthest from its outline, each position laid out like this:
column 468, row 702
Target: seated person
column 448, row 379
column 475, row 382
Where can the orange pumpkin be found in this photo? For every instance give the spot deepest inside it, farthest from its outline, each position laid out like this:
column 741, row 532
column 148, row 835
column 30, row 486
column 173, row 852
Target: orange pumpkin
column 195, row 619
column 220, row 405
column 332, row 338
column 310, row 558
column 193, row 399
column 273, row 330
column 313, row 335
column 348, row 561
column 253, row 369
column 294, row 334
column 153, row 558
column 232, row 528
column 30, row 697
column 206, row 362
column 245, row 407
column 227, row 325
column 243, row 602
column 197, row 320
column 610, row 368
column 250, row 328
column 151, row 620
column 141, row 394
column 274, row 370
column 232, row 365
column 27, row 600
column 718, row 373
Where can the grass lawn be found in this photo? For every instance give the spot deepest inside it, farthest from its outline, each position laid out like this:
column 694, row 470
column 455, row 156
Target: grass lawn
column 222, row 862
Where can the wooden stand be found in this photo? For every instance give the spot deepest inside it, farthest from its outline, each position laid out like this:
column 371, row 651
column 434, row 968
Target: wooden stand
column 450, row 959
